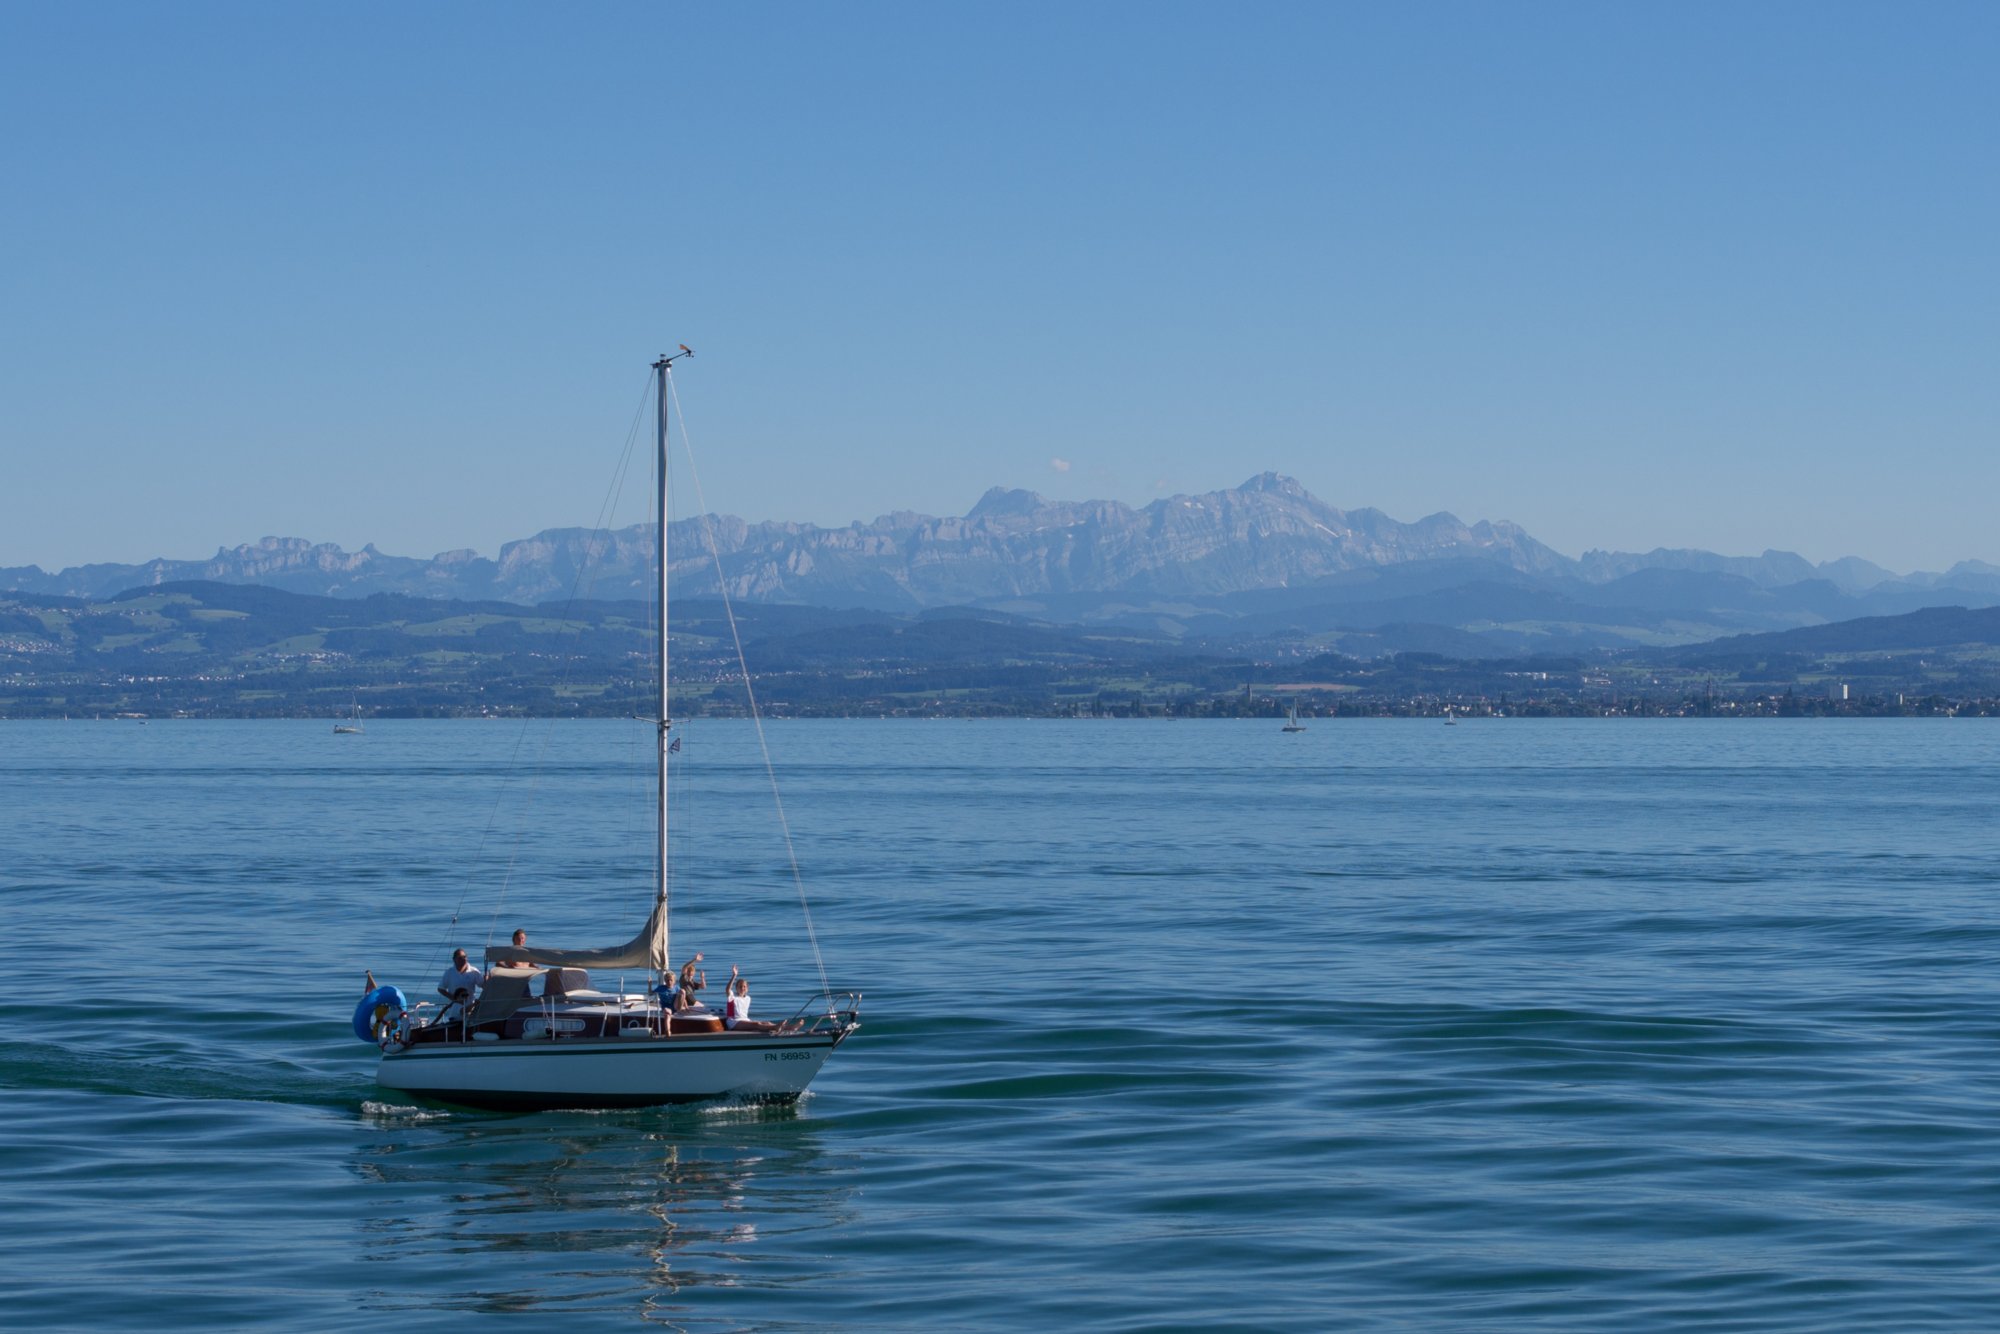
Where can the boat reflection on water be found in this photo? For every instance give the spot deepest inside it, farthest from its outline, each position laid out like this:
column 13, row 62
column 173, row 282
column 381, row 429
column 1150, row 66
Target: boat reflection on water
column 591, row 1211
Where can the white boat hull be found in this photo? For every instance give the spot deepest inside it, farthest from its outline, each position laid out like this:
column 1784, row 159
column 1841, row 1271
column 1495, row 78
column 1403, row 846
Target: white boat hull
column 528, row 1075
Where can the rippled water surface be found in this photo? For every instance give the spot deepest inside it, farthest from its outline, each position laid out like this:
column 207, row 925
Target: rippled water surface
column 1512, row 1025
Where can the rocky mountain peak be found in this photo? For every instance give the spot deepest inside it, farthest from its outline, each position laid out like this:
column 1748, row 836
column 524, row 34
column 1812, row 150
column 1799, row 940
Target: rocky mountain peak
column 1005, row 502
column 1276, row 483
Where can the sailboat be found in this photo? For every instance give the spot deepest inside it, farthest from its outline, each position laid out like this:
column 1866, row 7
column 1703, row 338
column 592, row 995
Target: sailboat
column 546, row 1031
column 1449, row 721
column 353, row 728
column 1292, row 723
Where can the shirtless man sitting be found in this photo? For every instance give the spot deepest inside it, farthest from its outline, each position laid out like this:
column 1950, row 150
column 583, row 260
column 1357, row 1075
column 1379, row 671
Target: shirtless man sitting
column 520, row 943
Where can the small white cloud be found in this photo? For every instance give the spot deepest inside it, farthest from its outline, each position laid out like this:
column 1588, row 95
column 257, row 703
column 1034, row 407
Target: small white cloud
column 1060, row 465
column 1159, row 483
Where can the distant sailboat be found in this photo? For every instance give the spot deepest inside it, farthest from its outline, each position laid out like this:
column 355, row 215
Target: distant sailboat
column 1449, row 721
column 353, row 728
column 1292, row 723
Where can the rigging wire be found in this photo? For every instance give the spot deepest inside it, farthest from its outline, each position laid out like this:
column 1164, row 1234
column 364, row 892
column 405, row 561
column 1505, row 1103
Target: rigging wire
column 749, row 689
column 612, row 493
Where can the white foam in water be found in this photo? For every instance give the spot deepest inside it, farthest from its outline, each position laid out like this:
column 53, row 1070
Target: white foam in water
column 743, row 1108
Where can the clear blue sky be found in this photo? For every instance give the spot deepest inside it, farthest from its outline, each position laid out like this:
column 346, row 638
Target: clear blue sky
column 1690, row 275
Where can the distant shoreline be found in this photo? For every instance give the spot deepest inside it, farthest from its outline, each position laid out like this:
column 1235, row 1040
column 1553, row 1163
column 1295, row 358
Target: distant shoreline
column 1970, row 709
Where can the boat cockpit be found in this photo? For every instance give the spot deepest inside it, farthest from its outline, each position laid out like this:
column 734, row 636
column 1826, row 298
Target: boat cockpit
column 555, row 1004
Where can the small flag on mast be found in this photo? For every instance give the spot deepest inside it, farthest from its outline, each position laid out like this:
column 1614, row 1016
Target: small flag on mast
column 673, row 745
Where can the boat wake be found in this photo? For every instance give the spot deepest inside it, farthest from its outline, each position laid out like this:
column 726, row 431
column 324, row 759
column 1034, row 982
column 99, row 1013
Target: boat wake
column 47, row 1067
column 405, row 1113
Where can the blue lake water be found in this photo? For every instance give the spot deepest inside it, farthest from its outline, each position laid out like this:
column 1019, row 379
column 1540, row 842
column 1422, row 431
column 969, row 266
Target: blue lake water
column 1542, row 1025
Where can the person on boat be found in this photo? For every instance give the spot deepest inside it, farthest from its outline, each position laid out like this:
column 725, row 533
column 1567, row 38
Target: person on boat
column 736, row 1014
column 689, row 983
column 520, row 943
column 458, row 984
column 668, row 992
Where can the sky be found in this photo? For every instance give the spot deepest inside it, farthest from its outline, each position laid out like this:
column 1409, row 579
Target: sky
column 1707, row 275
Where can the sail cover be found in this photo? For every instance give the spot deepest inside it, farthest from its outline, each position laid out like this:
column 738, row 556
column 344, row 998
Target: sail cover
column 505, row 991
column 648, row 949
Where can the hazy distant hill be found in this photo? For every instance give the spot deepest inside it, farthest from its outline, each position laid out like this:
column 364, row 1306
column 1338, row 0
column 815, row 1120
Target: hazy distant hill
column 1948, row 651
column 1931, row 628
column 232, row 650
column 1265, row 557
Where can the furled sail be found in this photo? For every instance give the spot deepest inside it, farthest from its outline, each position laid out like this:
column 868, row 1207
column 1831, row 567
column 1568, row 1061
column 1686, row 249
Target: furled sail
column 648, row 949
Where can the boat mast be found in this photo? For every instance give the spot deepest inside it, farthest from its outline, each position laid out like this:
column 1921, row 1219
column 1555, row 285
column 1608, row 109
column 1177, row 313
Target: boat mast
column 663, row 368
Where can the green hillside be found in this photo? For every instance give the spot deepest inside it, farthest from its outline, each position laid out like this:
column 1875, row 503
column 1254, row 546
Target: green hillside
column 233, row 650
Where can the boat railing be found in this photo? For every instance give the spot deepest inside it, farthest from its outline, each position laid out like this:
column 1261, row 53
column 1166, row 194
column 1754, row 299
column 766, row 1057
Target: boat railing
column 825, row 1012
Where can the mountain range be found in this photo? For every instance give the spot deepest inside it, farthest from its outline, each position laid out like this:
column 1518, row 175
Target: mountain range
column 1265, row 558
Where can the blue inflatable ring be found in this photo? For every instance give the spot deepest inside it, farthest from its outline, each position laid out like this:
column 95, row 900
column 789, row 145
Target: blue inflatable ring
column 364, row 1013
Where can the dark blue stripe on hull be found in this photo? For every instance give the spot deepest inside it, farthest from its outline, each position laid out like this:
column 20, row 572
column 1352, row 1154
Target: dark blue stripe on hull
column 505, row 1100
column 599, row 1047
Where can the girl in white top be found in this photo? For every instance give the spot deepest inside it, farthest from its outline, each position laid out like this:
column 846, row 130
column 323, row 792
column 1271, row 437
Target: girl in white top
column 737, row 1013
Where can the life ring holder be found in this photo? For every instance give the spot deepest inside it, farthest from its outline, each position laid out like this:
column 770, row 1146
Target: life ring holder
column 382, row 1016
column 392, row 1030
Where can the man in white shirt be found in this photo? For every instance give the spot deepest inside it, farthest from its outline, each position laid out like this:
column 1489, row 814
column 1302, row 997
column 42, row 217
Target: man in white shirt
column 457, row 986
